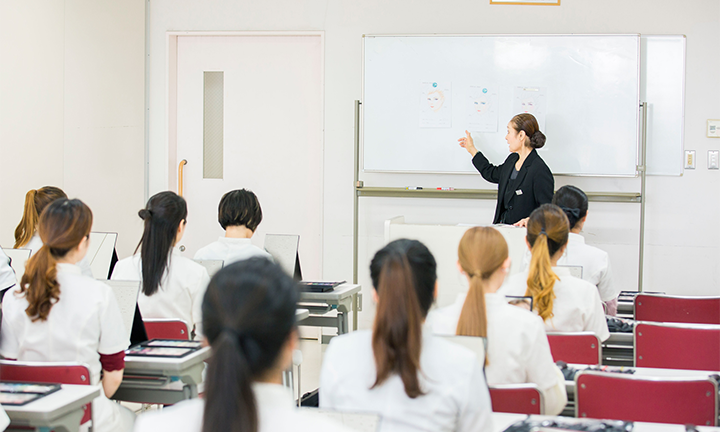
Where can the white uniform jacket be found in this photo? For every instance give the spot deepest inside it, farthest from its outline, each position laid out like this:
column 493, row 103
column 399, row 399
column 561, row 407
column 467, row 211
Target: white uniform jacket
column 517, row 347
column 456, row 397
column 7, row 274
column 180, row 293
column 230, row 250
column 576, row 307
column 84, row 323
column 276, row 412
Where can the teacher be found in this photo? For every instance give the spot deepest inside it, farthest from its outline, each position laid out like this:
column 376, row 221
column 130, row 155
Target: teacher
column 524, row 180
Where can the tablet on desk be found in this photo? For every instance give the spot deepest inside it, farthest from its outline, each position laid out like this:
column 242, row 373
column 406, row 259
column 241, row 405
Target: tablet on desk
column 173, row 343
column 312, row 286
column 17, row 394
column 166, row 352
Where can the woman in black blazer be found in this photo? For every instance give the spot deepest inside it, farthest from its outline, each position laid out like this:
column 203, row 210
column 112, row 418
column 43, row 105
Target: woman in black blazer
column 525, row 182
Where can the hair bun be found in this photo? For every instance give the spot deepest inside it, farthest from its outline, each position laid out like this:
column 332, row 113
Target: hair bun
column 145, row 214
column 537, row 140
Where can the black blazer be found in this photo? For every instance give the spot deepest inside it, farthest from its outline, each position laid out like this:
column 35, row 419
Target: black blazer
column 533, row 186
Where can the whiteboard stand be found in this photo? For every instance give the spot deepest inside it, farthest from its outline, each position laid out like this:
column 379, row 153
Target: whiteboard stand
column 394, row 192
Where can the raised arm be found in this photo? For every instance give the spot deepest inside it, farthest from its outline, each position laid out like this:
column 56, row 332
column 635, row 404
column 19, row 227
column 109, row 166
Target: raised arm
column 489, row 171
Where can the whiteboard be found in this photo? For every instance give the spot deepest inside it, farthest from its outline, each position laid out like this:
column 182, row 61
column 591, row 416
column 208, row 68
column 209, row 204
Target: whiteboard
column 587, row 93
column 663, row 88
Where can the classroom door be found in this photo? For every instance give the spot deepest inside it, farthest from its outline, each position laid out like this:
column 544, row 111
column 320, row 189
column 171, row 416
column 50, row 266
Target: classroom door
column 250, row 115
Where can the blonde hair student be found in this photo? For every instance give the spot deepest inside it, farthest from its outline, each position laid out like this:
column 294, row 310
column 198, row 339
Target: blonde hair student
column 249, row 319
column 517, row 347
column 416, row 381
column 565, row 303
column 35, row 202
column 172, row 285
column 59, row 315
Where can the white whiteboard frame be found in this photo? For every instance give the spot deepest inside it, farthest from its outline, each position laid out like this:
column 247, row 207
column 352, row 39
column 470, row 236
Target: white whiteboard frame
column 362, row 116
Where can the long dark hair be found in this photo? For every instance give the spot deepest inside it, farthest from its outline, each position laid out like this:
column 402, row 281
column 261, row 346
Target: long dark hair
column 163, row 214
column 573, row 201
column 547, row 233
column 35, row 203
column 62, row 226
column 248, row 315
column 403, row 274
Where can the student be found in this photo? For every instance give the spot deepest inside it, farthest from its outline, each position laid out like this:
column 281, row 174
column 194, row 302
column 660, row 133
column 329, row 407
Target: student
column 517, row 347
column 26, row 236
column 172, row 285
column 565, row 303
column 249, row 321
column 239, row 214
column 594, row 262
column 416, row 381
column 59, row 315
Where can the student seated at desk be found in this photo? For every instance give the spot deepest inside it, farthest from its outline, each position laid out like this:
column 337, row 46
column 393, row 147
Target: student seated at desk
column 172, row 285
column 415, row 380
column 594, row 262
column 565, row 303
column 249, row 321
column 517, row 347
column 59, row 315
column 26, row 235
column 239, row 214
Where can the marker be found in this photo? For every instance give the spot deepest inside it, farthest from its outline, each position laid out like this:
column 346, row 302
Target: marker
column 413, row 188
column 446, row 188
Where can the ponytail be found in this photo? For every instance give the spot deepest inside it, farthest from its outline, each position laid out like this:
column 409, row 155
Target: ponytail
column 163, row 215
column 473, row 317
column 547, row 232
column 35, row 203
column 248, row 318
column 229, row 400
column 62, row 226
column 397, row 332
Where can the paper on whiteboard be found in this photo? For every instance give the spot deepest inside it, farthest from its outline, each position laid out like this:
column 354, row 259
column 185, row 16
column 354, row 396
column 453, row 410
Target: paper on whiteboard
column 482, row 109
column 531, row 100
column 435, row 105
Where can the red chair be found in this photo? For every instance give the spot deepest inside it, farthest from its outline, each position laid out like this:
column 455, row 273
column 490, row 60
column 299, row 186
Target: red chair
column 166, row 329
column 677, row 309
column 579, row 347
column 604, row 395
column 41, row 372
column 516, row 398
column 677, row 346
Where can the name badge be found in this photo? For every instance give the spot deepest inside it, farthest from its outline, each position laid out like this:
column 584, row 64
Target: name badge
column 518, row 192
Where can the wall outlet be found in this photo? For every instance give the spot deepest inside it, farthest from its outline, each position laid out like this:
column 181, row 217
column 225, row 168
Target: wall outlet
column 713, row 128
column 689, row 159
column 713, row 162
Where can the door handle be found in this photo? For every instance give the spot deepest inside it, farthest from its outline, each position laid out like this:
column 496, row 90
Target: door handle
column 181, row 170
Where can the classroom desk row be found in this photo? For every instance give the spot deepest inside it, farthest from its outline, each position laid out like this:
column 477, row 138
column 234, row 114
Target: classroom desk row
column 569, row 410
column 502, row 421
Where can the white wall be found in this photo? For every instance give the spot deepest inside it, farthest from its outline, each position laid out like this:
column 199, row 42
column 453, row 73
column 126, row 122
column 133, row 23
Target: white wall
column 72, row 86
column 682, row 237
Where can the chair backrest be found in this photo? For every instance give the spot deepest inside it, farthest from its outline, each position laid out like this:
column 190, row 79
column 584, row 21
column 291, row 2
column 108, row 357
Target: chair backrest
column 677, row 346
column 212, row 266
column 580, row 347
column 18, row 259
column 604, row 395
column 166, row 329
column 40, row 372
column 677, row 309
column 475, row 344
column 126, row 294
column 100, row 252
column 517, row 398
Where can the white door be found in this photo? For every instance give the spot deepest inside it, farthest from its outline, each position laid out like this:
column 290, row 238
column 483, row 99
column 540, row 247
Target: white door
column 272, row 133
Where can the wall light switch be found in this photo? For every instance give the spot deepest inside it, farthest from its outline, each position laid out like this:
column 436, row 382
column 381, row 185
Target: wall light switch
column 713, row 156
column 713, row 128
column 689, row 159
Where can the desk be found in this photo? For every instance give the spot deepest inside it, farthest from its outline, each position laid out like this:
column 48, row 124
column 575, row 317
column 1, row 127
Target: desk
column 301, row 314
column 60, row 411
column 157, row 380
column 619, row 350
column 639, row 372
column 344, row 298
column 502, row 420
